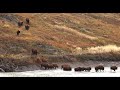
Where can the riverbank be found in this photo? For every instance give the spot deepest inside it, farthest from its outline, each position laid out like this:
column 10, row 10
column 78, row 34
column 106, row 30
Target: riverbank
column 72, row 64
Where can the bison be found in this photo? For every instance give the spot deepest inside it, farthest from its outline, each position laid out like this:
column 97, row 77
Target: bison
column 77, row 69
column 27, row 20
column 18, row 32
column 82, row 69
column 44, row 65
column 87, row 69
column 113, row 68
column 20, row 23
column 66, row 67
column 100, row 67
column 47, row 66
column 27, row 27
column 50, row 66
column 55, row 65
column 34, row 52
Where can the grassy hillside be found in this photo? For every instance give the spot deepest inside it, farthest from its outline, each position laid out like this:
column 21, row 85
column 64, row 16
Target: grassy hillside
column 56, row 33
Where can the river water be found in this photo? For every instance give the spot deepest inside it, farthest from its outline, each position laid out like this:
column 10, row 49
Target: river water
column 36, row 72
column 61, row 73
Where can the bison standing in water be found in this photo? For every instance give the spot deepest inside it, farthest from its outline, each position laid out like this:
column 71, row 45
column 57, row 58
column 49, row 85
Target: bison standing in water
column 66, row 67
column 100, row 67
column 113, row 68
column 48, row 66
column 82, row 69
column 78, row 69
column 55, row 65
column 88, row 69
column 44, row 65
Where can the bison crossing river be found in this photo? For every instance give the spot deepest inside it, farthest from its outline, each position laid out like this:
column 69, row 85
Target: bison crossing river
column 60, row 73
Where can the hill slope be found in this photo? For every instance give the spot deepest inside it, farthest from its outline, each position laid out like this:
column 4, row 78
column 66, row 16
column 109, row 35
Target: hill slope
column 57, row 33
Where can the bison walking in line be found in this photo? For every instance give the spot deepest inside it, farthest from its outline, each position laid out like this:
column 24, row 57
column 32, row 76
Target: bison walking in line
column 48, row 66
column 66, row 67
column 88, row 69
column 114, row 68
column 55, row 65
column 78, row 69
column 99, row 68
column 44, row 65
column 82, row 69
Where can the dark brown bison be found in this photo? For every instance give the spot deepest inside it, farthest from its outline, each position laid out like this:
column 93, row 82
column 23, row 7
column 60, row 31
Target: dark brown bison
column 47, row 66
column 44, row 66
column 100, row 68
column 87, row 69
column 80, row 69
column 18, row 32
column 34, row 52
column 77, row 69
column 113, row 68
column 27, row 21
column 55, row 65
column 66, row 67
column 27, row 27
column 20, row 23
column 50, row 66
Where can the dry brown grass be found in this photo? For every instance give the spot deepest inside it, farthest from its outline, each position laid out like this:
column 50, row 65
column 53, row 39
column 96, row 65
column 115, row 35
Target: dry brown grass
column 60, row 31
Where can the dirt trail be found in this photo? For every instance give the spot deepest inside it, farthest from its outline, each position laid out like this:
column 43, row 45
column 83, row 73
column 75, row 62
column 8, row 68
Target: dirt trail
column 75, row 32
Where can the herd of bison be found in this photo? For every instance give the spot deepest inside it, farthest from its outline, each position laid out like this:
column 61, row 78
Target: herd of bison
column 21, row 23
column 45, row 65
column 66, row 67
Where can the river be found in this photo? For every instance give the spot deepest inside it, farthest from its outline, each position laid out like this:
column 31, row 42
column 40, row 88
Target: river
column 61, row 73
column 36, row 72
